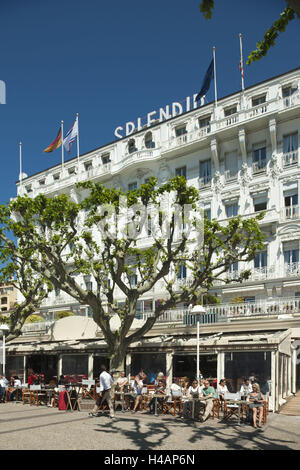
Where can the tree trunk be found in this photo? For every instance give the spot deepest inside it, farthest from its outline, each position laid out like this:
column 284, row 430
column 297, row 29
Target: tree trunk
column 117, row 357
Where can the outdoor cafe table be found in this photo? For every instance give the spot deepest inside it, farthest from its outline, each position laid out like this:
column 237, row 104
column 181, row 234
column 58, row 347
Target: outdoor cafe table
column 121, row 400
column 156, row 396
column 193, row 401
column 240, row 404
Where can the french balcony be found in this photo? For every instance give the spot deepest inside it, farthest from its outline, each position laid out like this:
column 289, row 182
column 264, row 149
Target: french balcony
column 290, row 212
column 257, row 110
column 228, row 312
column 228, row 121
column 259, row 167
column 187, row 138
column 292, row 269
column 257, row 274
column 92, row 173
column 263, row 273
column 267, row 307
column 290, row 158
column 136, row 156
column 205, row 182
column 230, row 175
column 290, row 101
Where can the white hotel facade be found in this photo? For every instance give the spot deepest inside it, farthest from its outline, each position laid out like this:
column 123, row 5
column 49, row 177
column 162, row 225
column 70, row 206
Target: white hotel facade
column 242, row 155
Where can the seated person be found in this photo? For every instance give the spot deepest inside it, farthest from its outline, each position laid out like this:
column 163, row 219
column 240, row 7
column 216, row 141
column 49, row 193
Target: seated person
column 160, row 376
column 3, row 387
column 252, row 377
column 17, row 382
column 15, row 391
column 222, row 389
column 185, row 382
column 264, row 385
column 62, row 380
column 121, row 382
column 137, row 387
column 208, row 395
column 160, row 389
column 194, row 391
column 246, row 388
column 57, row 389
column 32, row 378
column 175, row 386
column 256, row 401
column 144, row 378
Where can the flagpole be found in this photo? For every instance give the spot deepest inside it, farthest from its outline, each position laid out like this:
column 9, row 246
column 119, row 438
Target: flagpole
column 215, row 75
column 62, row 145
column 77, row 117
column 242, row 64
column 21, row 171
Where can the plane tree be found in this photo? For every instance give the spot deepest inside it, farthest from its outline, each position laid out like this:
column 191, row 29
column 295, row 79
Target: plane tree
column 16, row 271
column 127, row 244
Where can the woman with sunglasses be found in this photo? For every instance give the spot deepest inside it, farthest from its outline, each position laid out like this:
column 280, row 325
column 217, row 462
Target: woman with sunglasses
column 256, row 404
column 194, row 391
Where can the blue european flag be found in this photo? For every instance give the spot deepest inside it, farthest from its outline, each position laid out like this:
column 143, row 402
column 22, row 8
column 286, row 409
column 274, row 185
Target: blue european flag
column 206, row 82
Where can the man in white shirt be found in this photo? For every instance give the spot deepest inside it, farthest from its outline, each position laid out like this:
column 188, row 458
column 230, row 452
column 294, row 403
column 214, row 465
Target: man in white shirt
column 17, row 382
column 246, row 388
column 3, row 387
column 106, row 382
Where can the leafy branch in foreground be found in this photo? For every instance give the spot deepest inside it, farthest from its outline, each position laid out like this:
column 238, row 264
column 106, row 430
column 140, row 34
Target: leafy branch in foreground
column 279, row 26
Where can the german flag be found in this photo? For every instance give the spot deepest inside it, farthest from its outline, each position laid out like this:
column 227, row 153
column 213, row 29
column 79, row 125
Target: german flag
column 56, row 143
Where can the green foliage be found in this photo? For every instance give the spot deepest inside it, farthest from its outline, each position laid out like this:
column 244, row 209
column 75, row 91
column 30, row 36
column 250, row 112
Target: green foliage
column 34, row 319
column 59, row 239
column 64, row 314
column 4, row 319
column 237, row 300
column 207, row 6
column 209, row 299
column 271, row 34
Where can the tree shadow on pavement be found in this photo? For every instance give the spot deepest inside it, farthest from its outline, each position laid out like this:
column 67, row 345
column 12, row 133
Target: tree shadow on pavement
column 144, row 435
column 234, row 437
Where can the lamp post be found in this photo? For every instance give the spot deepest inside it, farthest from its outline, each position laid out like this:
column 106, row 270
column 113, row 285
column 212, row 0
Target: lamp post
column 198, row 310
column 3, row 328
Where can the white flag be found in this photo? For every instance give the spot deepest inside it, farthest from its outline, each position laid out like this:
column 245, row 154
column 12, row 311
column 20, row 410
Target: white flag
column 71, row 136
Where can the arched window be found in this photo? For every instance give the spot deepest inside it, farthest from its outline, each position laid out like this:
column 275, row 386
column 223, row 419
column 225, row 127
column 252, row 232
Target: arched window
column 149, row 142
column 131, row 146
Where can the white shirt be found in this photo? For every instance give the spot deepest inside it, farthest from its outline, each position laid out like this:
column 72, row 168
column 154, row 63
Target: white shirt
column 245, row 389
column 106, row 381
column 175, row 387
column 222, row 389
column 17, row 383
column 194, row 391
column 3, row 382
column 137, row 386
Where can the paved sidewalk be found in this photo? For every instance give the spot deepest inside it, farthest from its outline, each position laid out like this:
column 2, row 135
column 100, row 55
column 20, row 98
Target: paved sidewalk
column 24, row 427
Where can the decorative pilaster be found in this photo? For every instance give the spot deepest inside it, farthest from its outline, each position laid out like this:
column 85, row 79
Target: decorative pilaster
column 169, row 367
column 242, row 142
column 214, row 152
column 274, row 164
column 90, row 366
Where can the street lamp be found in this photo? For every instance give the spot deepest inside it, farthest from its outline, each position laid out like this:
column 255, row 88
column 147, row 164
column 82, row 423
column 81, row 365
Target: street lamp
column 198, row 310
column 3, row 328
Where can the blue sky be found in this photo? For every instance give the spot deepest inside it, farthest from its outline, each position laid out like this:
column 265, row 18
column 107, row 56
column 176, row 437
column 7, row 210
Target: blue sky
column 115, row 61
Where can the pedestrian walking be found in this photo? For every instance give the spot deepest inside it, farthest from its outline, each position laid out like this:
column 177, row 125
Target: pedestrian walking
column 106, row 382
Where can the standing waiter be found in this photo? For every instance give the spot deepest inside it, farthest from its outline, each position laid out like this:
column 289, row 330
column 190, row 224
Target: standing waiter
column 106, row 382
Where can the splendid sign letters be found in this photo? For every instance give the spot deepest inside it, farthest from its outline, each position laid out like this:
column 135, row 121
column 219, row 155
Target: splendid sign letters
column 157, row 116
